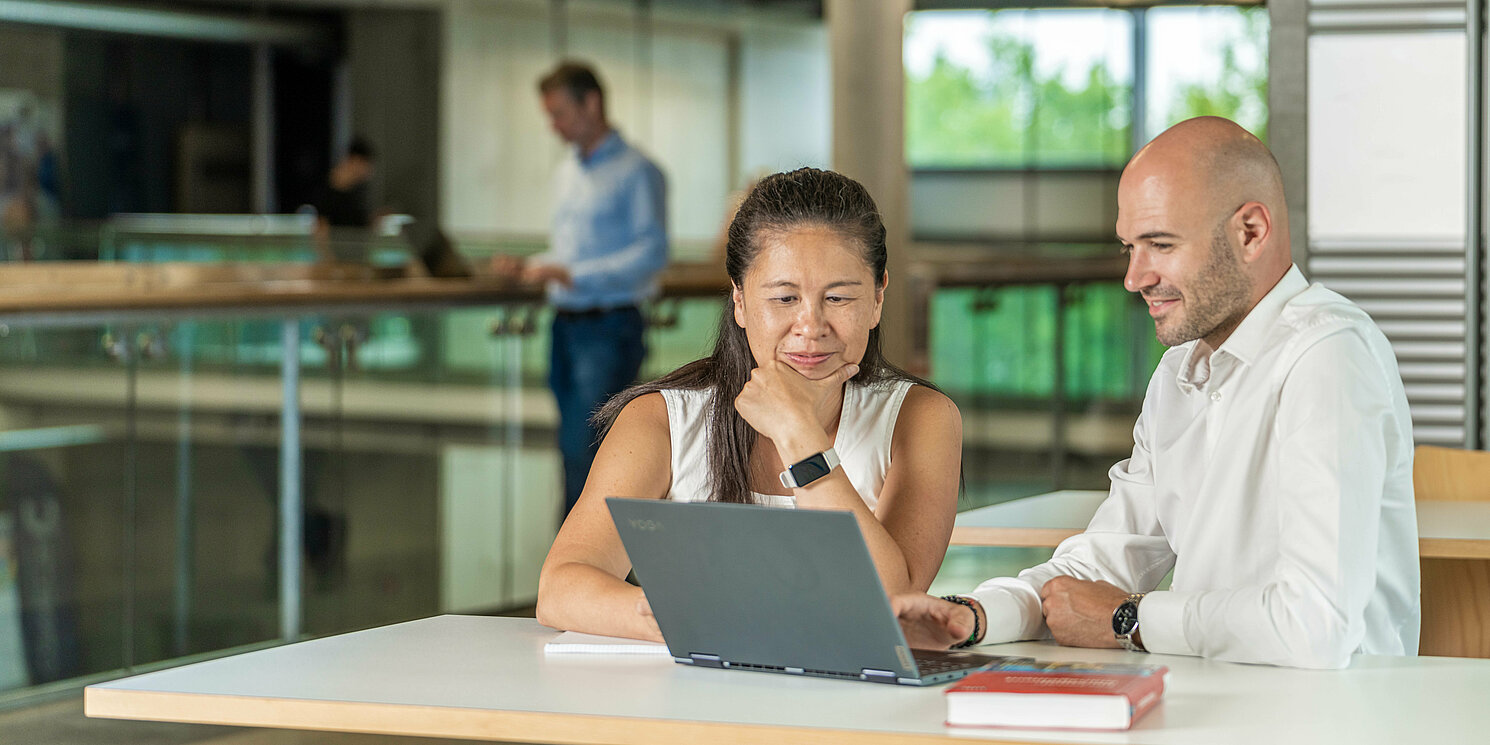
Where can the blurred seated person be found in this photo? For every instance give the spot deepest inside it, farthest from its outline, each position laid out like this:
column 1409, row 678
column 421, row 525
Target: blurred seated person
column 18, row 229
column 796, row 374
column 343, row 201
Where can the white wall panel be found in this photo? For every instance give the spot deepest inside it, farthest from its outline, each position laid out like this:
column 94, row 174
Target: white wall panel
column 497, row 151
column 689, row 130
column 1387, row 136
column 786, row 105
column 668, row 94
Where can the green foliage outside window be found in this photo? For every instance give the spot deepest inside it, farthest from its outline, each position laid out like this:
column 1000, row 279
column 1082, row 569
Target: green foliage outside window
column 1022, row 109
column 1239, row 88
column 1035, row 98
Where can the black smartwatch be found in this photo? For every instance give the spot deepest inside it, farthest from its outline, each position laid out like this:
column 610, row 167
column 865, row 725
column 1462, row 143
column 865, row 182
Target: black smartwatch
column 1125, row 623
column 809, row 469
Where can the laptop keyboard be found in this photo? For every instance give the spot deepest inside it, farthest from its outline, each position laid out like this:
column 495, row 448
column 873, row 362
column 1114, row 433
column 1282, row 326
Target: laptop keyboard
column 934, row 662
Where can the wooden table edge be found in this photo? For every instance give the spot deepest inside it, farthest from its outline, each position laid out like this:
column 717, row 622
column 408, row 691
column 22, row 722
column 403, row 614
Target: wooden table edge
column 470, row 724
column 968, row 535
column 1428, row 548
column 1453, row 548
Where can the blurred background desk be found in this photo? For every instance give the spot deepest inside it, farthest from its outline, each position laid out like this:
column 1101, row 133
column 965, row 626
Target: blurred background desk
column 1041, row 521
column 1453, row 534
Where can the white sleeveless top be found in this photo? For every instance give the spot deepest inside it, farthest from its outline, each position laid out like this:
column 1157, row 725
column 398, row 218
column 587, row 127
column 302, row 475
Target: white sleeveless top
column 865, row 427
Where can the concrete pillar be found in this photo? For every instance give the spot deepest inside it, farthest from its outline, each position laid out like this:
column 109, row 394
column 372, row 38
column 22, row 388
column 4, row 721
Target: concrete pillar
column 394, row 68
column 868, row 83
column 1288, row 113
column 262, row 126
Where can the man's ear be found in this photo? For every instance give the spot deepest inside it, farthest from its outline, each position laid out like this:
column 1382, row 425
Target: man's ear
column 739, row 300
column 1252, row 226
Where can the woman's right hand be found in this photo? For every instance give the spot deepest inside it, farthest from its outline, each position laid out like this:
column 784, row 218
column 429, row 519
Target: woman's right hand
column 930, row 622
column 644, row 610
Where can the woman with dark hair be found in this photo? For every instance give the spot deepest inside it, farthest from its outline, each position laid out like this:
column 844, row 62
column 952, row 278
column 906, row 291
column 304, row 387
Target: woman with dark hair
column 796, row 375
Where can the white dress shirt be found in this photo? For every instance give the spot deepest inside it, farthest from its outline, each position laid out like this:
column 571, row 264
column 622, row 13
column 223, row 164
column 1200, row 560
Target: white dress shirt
column 1274, row 476
column 609, row 227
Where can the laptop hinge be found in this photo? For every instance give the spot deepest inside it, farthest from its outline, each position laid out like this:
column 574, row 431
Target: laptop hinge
column 878, row 676
column 705, row 660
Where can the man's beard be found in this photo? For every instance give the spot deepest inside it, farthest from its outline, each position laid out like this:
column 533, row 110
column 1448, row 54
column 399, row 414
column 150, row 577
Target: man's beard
column 1218, row 294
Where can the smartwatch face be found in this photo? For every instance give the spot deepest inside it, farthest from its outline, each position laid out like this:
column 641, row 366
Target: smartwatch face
column 1125, row 619
column 810, row 470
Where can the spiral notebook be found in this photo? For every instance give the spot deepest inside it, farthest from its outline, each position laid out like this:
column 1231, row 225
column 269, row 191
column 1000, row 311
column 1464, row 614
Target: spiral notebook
column 574, row 642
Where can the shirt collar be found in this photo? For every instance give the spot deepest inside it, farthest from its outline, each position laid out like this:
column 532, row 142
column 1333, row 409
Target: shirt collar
column 609, row 146
column 1247, row 341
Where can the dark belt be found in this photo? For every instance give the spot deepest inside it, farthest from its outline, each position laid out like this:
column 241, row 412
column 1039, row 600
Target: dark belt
column 590, row 314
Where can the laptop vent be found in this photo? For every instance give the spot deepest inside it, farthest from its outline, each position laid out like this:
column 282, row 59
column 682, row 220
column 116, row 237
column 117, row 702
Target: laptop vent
column 779, row 669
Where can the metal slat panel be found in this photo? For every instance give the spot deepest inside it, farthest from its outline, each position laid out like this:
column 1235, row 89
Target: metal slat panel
column 1432, row 372
column 1418, row 308
column 1416, row 292
column 1361, row 287
column 1323, row 266
column 1434, row 392
column 1438, row 435
column 1446, row 330
column 1429, row 350
column 1438, row 414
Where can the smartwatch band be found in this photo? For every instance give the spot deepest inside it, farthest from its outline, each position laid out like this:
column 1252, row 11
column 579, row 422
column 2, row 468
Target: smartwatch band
column 810, row 469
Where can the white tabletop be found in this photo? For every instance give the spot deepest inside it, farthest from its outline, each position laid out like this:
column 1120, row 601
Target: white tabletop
column 488, row 678
column 1446, row 530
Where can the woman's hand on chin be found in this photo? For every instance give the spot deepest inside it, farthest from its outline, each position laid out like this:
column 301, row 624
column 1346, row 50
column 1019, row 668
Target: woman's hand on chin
column 789, row 409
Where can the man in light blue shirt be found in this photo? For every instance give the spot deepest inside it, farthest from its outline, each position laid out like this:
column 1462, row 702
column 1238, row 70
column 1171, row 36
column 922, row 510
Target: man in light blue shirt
column 607, row 245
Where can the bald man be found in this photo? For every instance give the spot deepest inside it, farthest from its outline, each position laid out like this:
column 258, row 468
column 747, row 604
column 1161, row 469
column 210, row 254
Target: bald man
column 1272, row 462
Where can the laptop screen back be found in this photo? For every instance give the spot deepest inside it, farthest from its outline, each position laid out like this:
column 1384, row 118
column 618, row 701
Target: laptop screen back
column 762, row 586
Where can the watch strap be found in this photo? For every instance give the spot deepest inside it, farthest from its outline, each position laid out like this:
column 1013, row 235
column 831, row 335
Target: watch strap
column 973, row 605
column 1130, row 640
column 810, row 469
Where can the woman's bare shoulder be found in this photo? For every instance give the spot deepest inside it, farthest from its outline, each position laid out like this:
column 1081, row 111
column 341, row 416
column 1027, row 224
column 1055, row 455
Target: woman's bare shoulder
column 927, row 411
column 642, row 416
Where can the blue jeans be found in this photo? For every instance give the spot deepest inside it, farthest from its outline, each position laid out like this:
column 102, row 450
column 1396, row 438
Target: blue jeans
column 593, row 355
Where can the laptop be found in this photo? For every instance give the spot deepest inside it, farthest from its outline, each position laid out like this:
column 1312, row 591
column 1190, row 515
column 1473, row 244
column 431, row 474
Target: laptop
column 747, row 587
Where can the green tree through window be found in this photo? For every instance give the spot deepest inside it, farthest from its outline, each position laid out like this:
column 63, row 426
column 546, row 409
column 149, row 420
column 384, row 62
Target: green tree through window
column 1208, row 61
column 1026, row 88
column 1036, row 88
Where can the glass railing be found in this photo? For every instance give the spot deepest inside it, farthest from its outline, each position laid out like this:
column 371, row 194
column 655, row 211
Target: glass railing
column 146, row 491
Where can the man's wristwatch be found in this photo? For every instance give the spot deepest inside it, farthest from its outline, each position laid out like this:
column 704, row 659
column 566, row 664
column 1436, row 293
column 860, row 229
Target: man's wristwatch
column 1125, row 623
column 809, row 469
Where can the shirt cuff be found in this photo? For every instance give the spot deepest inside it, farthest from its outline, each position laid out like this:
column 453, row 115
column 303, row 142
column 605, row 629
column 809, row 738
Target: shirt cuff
column 1161, row 622
column 1005, row 614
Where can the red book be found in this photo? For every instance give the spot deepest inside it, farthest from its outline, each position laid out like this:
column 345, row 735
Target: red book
column 1056, row 700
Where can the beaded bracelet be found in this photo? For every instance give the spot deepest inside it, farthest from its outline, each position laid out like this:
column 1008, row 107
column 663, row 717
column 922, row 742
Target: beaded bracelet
column 967, row 603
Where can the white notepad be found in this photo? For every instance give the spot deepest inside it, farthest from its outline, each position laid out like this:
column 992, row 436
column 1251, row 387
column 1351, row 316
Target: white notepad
column 573, row 642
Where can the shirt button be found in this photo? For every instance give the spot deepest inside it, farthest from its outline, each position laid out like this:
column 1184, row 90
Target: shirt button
column 1215, row 395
